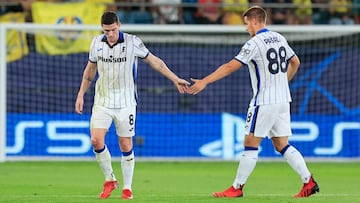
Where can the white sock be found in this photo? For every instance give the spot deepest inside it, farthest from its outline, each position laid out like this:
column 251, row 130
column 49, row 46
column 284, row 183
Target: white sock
column 246, row 166
column 127, row 167
column 103, row 157
column 297, row 162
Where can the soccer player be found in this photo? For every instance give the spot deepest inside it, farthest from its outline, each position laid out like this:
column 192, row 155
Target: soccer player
column 272, row 64
column 113, row 55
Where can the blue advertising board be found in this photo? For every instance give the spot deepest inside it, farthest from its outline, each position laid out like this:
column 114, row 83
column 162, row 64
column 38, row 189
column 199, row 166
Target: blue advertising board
column 325, row 108
column 179, row 135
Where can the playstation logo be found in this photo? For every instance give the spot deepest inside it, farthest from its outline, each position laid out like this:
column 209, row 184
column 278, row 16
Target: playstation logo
column 231, row 143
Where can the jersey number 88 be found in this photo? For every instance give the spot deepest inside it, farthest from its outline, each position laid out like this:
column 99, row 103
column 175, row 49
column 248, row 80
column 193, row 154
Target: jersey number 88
column 277, row 60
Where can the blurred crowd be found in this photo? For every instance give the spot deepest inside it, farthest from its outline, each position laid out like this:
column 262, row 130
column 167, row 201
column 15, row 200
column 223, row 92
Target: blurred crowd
column 227, row 12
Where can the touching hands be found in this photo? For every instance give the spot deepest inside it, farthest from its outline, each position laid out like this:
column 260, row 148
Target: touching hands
column 197, row 87
column 181, row 85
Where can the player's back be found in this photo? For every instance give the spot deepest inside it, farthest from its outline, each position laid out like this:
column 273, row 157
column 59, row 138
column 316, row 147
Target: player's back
column 268, row 68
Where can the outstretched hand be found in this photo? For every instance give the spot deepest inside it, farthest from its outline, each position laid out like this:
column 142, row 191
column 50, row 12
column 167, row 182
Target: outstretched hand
column 181, row 85
column 197, row 87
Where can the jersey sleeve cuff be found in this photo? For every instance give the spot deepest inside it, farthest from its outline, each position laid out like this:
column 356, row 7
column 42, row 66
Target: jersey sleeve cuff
column 146, row 55
column 291, row 57
column 240, row 61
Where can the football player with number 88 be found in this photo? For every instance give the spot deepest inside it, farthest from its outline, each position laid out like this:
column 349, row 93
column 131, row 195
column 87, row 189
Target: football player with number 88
column 272, row 64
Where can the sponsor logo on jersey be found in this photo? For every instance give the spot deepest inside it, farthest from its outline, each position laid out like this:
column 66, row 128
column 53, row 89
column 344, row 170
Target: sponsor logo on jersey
column 112, row 60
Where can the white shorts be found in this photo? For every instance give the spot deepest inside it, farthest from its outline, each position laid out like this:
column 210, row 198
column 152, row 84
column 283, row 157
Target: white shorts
column 124, row 119
column 272, row 120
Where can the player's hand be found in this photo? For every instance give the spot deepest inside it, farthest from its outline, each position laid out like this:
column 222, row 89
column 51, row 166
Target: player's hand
column 197, row 87
column 79, row 105
column 181, row 85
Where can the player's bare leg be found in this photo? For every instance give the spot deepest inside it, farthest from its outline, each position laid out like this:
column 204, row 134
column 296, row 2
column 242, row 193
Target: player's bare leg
column 103, row 157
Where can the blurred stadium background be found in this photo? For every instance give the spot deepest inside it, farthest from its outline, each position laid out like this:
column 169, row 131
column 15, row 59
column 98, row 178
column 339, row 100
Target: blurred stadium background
column 41, row 66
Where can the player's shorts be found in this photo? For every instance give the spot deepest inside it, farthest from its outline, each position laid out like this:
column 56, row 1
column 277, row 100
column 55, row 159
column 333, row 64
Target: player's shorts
column 272, row 120
column 124, row 119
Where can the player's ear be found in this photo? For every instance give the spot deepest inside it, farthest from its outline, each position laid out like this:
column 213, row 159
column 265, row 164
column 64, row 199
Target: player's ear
column 254, row 21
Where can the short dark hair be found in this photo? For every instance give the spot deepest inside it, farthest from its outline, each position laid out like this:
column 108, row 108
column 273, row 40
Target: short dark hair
column 256, row 12
column 109, row 18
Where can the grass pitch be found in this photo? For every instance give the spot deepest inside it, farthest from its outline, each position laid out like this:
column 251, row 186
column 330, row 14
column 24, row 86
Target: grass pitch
column 67, row 182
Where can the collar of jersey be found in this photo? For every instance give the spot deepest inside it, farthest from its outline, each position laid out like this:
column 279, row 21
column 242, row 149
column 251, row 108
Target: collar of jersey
column 262, row 30
column 120, row 40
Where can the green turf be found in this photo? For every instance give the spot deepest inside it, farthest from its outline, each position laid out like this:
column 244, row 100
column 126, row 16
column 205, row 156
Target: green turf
column 65, row 182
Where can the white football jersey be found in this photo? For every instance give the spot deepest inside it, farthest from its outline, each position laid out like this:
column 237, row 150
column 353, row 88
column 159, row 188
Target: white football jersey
column 117, row 69
column 267, row 55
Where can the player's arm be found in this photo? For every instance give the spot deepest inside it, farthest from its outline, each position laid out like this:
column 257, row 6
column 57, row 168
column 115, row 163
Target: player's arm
column 221, row 72
column 293, row 66
column 157, row 64
column 88, row 76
